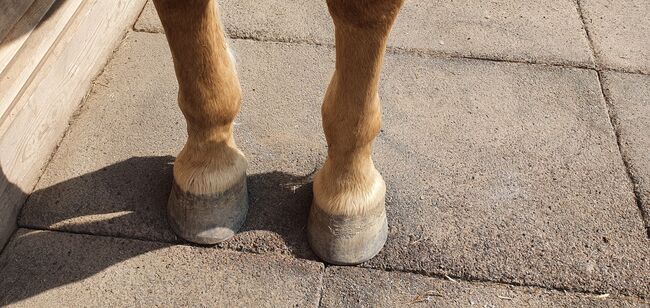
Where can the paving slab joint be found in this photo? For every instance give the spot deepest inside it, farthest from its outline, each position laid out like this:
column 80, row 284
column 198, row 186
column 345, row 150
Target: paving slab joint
column 135, row 22
column 147, row 31
column 594, row 54
column 633, row 180
column 637, row 297
column 613, row 120
column 321, row 290
column 235, row 35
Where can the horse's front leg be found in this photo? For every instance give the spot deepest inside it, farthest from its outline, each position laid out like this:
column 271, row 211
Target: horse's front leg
column 208, row 202
column 347, row 221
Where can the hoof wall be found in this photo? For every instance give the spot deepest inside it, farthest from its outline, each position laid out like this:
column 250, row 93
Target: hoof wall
column 347, row 240
column 208, row 219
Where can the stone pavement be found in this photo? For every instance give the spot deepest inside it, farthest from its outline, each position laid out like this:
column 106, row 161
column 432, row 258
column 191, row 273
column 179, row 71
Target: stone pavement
column 514, row 146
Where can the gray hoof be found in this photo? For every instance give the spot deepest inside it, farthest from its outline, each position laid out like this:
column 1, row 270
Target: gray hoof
column 347, row 240
column 208, row 219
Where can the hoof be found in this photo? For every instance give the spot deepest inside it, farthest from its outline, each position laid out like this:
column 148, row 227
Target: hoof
column 347, row 240
column 208, row 219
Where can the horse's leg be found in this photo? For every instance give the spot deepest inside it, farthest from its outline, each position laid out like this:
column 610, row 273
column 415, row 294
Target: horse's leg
column 347, row 221
column 208, row 202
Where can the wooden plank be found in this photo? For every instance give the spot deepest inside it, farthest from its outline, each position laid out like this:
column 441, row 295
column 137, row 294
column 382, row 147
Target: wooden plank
column 21, row 30
column 28, row 136
column 35, row 43
column 10, row 12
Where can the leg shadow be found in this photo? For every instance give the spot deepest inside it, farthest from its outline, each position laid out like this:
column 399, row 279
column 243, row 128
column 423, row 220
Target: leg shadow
column 127, row 200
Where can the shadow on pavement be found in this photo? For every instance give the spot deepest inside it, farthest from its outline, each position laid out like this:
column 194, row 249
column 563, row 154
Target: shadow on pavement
column 128, row 199
column 10, row 195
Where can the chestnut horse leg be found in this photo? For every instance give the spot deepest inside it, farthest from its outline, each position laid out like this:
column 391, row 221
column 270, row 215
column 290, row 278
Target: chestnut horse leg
column 209, row 200
column 347, row 221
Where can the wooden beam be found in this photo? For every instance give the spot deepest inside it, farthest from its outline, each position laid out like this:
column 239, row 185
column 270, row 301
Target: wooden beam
column 34, row 35
column 10, row 12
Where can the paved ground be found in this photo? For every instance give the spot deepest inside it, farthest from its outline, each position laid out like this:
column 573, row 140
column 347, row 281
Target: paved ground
column 514, row 147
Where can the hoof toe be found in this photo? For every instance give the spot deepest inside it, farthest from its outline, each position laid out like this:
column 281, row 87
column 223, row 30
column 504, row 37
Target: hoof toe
column 208, row 219
column 347, row 240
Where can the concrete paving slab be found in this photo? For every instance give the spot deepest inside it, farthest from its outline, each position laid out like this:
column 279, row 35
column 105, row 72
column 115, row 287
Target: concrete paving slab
column 495, row 171
column 531, row 31
column 629, row 98
column 620, row 32
column 356, row 287
column 45, row 269
column 507, row 172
